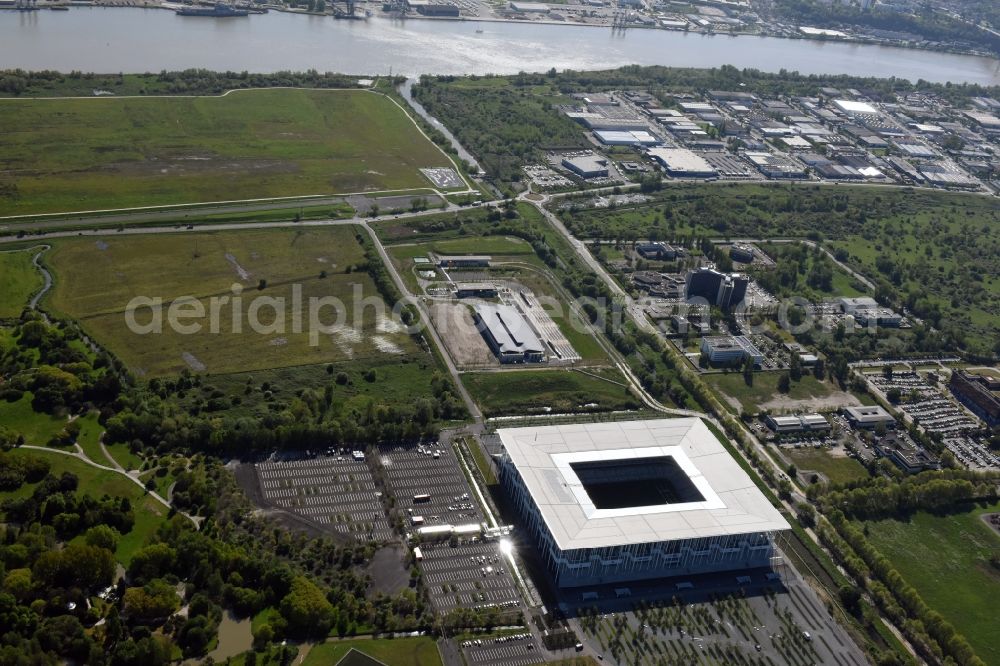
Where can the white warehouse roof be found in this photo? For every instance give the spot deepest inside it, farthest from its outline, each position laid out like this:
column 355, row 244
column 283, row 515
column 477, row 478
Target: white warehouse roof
column 544, row 456
column 851, row 106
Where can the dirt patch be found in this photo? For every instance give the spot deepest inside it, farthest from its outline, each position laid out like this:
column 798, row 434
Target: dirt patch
column 101, row 245
column 464, row 341
column 242, row 272
column 831, row 402
column 193, row 362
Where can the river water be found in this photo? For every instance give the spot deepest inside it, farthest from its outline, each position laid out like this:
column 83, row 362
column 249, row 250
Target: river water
column 141, row 40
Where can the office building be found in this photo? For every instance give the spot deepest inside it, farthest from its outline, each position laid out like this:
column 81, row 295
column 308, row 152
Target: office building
column 730, row 350
column 974, row 392
column 868, row 417
column 724, row 290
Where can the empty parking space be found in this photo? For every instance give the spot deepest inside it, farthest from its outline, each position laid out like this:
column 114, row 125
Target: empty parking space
column 336, row 492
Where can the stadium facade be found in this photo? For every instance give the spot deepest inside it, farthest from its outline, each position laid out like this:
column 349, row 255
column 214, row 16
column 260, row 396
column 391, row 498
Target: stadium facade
column 635, row 500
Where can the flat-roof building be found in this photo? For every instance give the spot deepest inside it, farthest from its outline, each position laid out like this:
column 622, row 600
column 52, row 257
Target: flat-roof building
column 730, row 349
column 868, row 417
column 508, row 334
column 682, row 163
column 587, row 166
column 463, row 261
column 907, row 455
column 854, row 108
column 973, row 391
column 798, row 423
column 635, row 500
column 616, row 138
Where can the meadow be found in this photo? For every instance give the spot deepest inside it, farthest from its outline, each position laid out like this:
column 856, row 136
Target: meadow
column 836, row 469
column 95, row 281
column 946, row 558
column 101, row 153
column 149, row 514
column 555, row 391
column 20, row 280
column 765, row 388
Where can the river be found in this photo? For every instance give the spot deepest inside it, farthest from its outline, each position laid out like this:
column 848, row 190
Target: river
column 149, row 40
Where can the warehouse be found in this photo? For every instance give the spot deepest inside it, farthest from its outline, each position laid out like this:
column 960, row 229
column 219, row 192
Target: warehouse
column 614, row 138
column 508, row 334
column 682, row 163
column 635, row 500
column 587, row 166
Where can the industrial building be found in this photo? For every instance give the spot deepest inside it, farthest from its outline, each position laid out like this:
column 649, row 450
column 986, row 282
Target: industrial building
column 682, row 163
column 974, row 392
column 619, row 138
column 868, row 417
column 776, row 166
column 463, row 261
column 730, row 349
column 587, row 166
column 508, row 334
column 721, row 289
column 635, row 500
column 798, row 423
column 475, row 290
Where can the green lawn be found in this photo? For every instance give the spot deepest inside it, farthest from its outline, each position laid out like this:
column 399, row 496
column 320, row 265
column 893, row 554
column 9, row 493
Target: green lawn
column 149, row 514
column 96, row 280
column 20, row 280
column 420, row 651
column 835, row 469
column 89, row 154
column 37, row 428
column 89, row 438
column 765, row 388
column 553, row 391
column 946, row 558
column 124, row 456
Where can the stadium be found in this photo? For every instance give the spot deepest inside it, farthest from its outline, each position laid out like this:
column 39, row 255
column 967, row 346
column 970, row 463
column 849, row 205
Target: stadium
column 634, row 500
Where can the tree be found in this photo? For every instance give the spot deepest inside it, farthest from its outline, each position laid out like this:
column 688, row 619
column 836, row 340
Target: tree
column 784, row 383
column 893, row 395
column 154, row 601
column 102, row 536
column 795, row 367
column 306, row 609
column 748, row 371
column 819, row 369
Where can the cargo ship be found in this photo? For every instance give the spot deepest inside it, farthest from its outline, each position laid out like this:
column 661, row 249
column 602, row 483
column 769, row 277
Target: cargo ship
column 220, row 10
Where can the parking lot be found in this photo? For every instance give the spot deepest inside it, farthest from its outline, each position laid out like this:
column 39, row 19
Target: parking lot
column 513, row 650
column 433, row 471
column 471, row 575
column 336, row 492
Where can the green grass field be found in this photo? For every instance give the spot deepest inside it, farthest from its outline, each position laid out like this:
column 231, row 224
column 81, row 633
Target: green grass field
column 95, row 280
column 37, row 428
column 20, row 280
column 765, row 388
column 946, row 558
column 835, row 469
column 420, row 651
column 149, row 514
column 91, row 154
column 554, row 391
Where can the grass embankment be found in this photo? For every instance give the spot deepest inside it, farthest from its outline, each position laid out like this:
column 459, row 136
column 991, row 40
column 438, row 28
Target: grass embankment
column 149, row 514
column 420, row 651
column 95, row 281
column 91, row 154
column 835, row 468
column 20, row 280
column 946, row 558
column 549, row 391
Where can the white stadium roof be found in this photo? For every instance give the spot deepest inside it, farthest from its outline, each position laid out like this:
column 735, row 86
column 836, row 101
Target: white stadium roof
column 731, row 503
